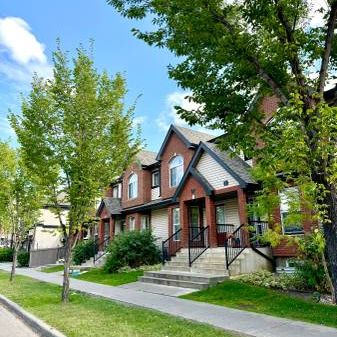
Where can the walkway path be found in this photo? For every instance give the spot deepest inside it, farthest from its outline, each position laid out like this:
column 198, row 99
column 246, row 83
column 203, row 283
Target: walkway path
column 10, row 325
column 244, row 322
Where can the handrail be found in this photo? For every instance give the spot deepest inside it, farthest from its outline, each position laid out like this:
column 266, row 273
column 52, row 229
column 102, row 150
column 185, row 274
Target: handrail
column 235, row 244
column 97, row 246
column 198, row 244
column 171, row 246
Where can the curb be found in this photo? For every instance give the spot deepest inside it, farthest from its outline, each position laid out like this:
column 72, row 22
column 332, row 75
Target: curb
column 38, row 326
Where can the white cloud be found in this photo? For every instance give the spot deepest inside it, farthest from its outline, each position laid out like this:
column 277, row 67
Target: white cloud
column 169, row 115
column 139, row 120
column 21, row 54
column 316, row 17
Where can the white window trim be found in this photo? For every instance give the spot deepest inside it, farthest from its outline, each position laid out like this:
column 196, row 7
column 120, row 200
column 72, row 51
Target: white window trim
column 135, row 184
column 173, row 167
column 147, row 222
column 153, row 185
column 133, row 223
column 176, row 224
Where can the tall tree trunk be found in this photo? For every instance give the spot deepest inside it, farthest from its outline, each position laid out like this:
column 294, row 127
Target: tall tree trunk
column 67, row 262
column 330, row 234
column 15, row 257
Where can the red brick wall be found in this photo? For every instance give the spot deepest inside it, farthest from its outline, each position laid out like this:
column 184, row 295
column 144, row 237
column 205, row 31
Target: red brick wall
column 144, row 186
column 191, row 184
column 269, row 105
column 173, row 147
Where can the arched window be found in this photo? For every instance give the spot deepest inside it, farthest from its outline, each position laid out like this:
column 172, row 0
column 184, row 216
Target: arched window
column 133, row 186
column 176, row 167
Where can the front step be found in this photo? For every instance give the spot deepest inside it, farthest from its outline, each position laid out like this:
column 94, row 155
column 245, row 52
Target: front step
column 182, row 279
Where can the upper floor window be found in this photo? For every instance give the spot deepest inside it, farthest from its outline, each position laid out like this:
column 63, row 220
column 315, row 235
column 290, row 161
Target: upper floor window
column 155, row 179
column 115, row 191
column 176, row 168
column 290, row 211
column 133, row 186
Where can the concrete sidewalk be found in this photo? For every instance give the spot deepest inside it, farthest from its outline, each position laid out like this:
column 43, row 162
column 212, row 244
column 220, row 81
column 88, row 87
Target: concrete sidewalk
column 243, row 322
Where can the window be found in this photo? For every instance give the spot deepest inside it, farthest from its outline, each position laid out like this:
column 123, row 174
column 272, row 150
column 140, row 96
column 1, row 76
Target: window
column 176, row 167
column 155, row 179
column 115, row 191
column 291, row 224
column 132, row 223
column 220, row 215
column 133, row 186
column 176, row 223
column 194, row 222
column 145, row 222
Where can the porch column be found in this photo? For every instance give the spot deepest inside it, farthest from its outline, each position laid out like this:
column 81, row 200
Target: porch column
column 112, row 228
column 184, row 223
column 211, row 221
column 169, row 221
column 101, row 230
column 242, row 210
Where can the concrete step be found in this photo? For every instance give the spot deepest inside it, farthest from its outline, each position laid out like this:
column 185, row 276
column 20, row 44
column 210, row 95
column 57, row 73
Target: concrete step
column 181, row 276
column 210, row 271
column 174, row 283
column 168, row 267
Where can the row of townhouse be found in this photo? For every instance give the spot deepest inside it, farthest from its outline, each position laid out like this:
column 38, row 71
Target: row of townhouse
column 191, row 195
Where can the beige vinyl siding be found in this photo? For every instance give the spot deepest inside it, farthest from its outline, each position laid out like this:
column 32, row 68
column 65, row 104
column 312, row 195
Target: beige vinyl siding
column 159, row 225
column 155, row 193
column 232, row 212
column 204, row 217
column 214, row 173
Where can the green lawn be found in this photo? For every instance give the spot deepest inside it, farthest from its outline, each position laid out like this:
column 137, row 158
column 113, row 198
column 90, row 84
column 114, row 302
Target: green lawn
column 52, row 269
column 87, row 316
column 100, row 276
column 251, row 298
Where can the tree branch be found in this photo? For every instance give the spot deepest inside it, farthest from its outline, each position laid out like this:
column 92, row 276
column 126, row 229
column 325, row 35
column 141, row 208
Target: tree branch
column 293, row 59
column 327, row 48
column 254, row 61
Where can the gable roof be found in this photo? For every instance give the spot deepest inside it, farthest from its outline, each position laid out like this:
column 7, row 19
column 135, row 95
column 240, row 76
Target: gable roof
column 146, row 158
column 189, row 137
column 112, row 205
column 233, row 164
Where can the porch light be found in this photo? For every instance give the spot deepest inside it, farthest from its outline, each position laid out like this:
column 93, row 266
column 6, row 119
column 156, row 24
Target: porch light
column 226, row 183
column 193, row 193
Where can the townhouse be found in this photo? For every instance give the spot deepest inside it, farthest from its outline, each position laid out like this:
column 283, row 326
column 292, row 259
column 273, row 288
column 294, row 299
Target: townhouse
column 194, row 198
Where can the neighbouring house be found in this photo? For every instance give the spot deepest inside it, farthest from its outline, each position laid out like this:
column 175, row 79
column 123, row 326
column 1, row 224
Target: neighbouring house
column 47, row 233
column 194, row 198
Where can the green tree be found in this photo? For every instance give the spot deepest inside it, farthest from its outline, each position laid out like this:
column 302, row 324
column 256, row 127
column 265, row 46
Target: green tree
column 20, row 199
column 232, row 53
column 77, row 136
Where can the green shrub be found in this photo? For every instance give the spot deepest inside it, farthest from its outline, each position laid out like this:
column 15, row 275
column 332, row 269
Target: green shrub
column 267, row 279
column 132, row 249
column 6, row 254
column 23, row 258
column 309, row 266
column 83, row 251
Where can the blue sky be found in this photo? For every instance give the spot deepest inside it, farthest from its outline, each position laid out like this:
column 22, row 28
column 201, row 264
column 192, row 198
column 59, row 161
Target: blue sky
column 28, row 33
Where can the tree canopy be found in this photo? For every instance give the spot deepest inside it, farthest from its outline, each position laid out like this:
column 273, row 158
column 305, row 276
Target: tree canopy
column 76, row 136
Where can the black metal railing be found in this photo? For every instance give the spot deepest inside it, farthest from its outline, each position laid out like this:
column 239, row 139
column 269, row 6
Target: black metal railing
column 222, row 230
column 256, row 230
column 235, row 244
column 198, row 242
column 171, row 246
column 100, row 248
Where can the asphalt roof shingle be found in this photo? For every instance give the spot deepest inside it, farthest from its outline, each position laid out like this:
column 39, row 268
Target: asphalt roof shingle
column 194, row 137
column 146, row 157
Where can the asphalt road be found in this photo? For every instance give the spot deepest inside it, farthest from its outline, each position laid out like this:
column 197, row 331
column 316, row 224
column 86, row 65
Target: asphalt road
column 11, row 326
